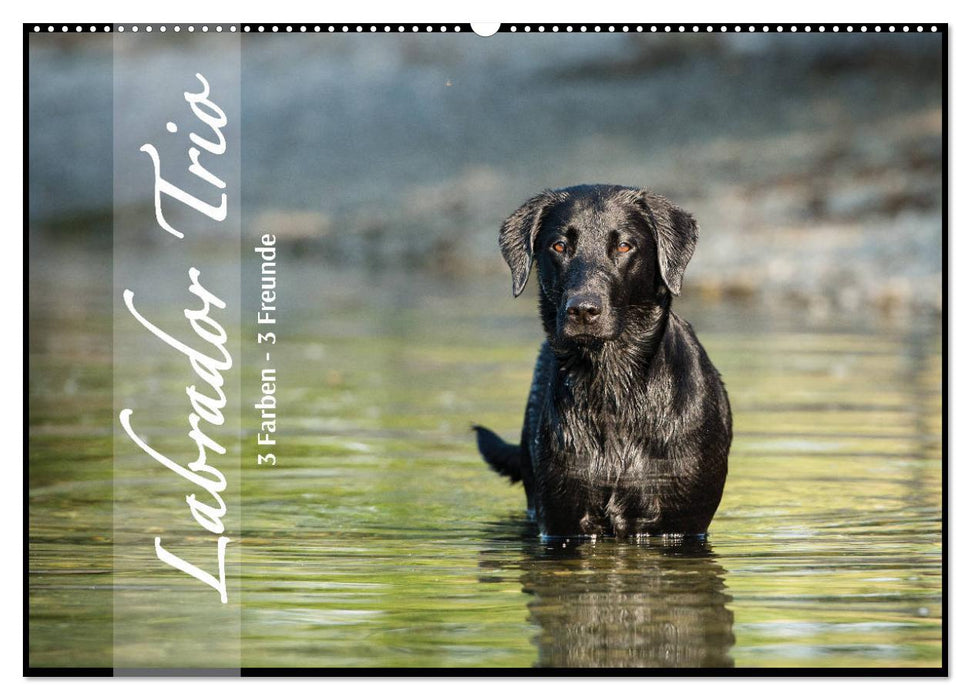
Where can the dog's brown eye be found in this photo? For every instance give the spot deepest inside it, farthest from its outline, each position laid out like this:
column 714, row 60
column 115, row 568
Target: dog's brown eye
column 624, row 247
column 559, row 247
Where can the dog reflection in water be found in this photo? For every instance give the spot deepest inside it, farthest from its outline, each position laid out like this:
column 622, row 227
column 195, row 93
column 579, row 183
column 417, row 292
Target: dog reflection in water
column 619, row 604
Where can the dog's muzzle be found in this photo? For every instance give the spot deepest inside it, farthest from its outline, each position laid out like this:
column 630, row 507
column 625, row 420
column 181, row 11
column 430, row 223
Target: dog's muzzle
column 586, row 315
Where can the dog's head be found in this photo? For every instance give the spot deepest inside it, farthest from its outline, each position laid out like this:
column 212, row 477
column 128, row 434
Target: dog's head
column 603, row 254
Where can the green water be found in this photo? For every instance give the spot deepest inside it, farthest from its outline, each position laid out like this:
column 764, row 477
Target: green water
column 381, row 539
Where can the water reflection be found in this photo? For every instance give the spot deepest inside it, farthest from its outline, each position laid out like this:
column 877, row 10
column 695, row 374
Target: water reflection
column 624, row 604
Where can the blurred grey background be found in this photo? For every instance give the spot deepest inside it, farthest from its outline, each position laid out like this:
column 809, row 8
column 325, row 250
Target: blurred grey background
column 812, row 162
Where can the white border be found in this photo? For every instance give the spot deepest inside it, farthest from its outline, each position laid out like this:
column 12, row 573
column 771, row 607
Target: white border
column 517, row 11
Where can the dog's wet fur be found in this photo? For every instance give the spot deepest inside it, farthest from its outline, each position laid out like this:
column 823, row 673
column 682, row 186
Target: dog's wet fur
column 628, row 425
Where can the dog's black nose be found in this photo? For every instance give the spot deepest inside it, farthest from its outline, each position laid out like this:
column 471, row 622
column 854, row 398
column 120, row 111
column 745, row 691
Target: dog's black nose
column 583, row 308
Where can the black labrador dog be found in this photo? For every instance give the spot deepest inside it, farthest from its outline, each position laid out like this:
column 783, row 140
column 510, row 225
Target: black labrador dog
column 627, row 426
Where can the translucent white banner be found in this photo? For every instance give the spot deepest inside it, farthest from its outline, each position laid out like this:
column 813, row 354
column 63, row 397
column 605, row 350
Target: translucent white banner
column 176, row 124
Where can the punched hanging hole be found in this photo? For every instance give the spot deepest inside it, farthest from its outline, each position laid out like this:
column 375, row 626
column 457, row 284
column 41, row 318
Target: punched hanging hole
column 485, row 28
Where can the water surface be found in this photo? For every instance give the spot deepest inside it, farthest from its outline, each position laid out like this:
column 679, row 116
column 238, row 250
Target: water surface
column 381, row 539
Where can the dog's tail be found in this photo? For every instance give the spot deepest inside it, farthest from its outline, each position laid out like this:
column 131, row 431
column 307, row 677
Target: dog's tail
column 504, row 458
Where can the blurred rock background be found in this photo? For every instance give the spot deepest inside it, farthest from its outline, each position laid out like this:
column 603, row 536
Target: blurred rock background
column 814, row 163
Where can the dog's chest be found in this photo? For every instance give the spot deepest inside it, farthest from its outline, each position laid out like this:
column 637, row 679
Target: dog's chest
column 600, row 433
column 603, row 461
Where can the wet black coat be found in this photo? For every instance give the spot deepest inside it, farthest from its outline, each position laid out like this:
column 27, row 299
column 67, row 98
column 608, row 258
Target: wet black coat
column 628, row 426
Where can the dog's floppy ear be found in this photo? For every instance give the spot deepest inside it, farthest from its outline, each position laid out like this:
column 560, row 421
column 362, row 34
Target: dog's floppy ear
column 517, row 236
column 677, row 233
